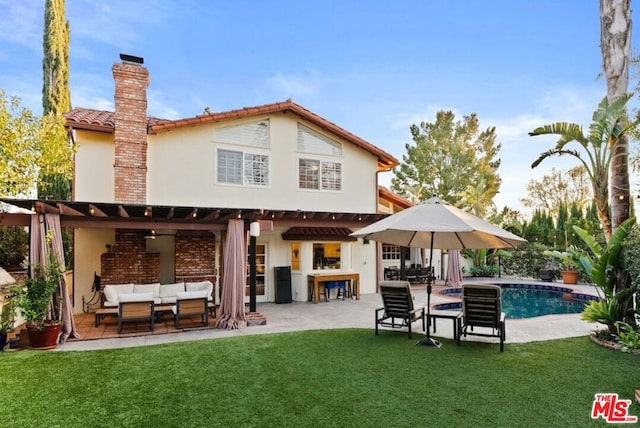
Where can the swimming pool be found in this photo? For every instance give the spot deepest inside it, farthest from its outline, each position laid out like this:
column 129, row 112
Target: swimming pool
column 530, row 300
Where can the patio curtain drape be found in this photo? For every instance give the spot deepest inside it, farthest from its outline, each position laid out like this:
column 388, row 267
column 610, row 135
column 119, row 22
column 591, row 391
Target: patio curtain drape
column 40, row 226
column 454, row 273
column 232, row 313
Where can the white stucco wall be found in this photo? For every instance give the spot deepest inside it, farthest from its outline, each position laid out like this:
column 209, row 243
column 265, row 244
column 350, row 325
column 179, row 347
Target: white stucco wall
column 89, row 244
column 182, row 171
column 94, row 175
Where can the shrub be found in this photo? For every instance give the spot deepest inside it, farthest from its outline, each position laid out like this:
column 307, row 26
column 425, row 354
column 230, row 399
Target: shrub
column 628, row 337
column 527, row 260
column 484, row 270
column 14, row 246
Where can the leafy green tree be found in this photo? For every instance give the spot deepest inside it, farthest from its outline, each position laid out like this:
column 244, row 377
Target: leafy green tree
column 597, row 147
column 540, row 229
column 29, row 146
column 558, row 187
column 452, row 159
column 56, row 98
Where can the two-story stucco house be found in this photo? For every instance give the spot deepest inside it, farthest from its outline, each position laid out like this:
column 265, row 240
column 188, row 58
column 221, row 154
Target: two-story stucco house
column 152, row 198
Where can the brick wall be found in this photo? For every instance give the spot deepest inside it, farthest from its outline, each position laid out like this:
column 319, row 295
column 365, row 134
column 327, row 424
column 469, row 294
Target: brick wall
column 130, row 135
column 129, row 261
column 195, row 258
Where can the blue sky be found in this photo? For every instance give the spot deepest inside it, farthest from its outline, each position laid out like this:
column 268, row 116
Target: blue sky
column 372, row 67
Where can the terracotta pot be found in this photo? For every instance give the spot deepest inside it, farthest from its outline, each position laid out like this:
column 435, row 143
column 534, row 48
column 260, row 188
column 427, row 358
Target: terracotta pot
column 570, row 276
column 45, row 338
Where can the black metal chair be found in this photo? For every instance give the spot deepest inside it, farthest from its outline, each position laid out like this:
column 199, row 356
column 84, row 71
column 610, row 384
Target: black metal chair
column 482, row 308
column 398, row 307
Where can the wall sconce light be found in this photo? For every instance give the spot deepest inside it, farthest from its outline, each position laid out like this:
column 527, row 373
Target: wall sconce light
column 254, row 229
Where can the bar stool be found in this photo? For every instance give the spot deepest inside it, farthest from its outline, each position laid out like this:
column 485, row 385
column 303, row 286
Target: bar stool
column 334, row 284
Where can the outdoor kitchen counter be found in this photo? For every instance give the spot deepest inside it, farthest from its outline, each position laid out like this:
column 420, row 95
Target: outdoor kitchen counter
column 314, row 280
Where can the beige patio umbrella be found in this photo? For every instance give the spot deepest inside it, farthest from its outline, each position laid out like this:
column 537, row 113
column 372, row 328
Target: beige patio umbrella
column 437, row 224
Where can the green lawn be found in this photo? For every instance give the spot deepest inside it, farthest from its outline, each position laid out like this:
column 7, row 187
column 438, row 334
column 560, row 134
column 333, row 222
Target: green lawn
column 312, row 379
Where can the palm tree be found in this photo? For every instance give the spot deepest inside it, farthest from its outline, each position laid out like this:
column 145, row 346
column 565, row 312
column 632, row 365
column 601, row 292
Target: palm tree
column 608, row 126
column 615, row 44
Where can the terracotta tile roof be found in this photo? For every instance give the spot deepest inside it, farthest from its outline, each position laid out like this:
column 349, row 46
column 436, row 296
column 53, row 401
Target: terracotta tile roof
column 98, row 120
column 318, row 234
column 394, row 198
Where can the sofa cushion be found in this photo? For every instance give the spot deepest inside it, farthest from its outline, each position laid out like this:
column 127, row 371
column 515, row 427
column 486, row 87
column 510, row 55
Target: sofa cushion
column 192, row 294
column 111, row 292
column 169, row 300
column 135, row 297
column 170, row 290
column 148, row 288
column 199, row 286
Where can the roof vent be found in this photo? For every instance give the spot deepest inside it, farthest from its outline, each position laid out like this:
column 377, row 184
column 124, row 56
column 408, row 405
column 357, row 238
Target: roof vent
column 131, row 59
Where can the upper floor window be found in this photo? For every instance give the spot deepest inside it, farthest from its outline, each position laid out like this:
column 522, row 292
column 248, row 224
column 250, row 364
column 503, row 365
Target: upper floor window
column 319, row 175
column 235, row 167
column 310, row 141
column 254, row 134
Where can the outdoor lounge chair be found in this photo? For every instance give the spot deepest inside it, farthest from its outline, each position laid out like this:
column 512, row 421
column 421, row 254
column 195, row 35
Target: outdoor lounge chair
column 398, row 306
column 191, row 307
column 482, row 308
column 136, row 311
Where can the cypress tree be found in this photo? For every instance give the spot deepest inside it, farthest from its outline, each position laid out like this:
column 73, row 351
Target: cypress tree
column 561, row 232
column 56, row 98
column 55, row 62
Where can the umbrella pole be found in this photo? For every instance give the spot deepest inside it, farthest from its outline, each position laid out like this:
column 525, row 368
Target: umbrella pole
column 428, row 341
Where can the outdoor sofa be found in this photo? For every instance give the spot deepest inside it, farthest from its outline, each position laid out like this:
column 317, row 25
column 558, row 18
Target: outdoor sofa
column 164, row 298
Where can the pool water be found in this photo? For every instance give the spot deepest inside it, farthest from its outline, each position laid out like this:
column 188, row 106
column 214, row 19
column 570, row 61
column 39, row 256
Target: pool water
column 529, row 301
column 526, row 303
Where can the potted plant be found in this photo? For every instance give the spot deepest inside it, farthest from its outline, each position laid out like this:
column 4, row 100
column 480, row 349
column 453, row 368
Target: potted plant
column 570, row 260
column 34, row 298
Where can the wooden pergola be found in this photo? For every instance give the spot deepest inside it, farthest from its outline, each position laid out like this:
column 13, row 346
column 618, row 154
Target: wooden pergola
column 166, row 217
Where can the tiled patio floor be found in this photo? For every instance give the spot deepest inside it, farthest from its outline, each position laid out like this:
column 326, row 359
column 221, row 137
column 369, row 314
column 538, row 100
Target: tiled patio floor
column 108, row 327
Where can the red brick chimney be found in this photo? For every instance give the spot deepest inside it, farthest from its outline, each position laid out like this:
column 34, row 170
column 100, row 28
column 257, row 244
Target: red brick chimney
column 130, row 135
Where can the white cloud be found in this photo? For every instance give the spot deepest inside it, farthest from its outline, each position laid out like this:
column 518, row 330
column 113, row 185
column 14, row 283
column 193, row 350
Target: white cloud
column 158, row 107
column 21, row 23
column 295, row 85
column 401, row 121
